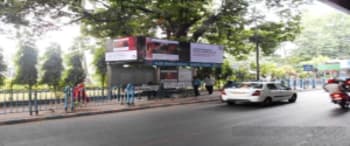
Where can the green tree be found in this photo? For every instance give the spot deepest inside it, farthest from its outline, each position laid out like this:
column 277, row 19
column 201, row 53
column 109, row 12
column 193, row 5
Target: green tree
column 26, row 61
column 100, row 64
column 52, row 67
column 324, row 36
column 75, row 73
column 226, row 22
column 3, row 68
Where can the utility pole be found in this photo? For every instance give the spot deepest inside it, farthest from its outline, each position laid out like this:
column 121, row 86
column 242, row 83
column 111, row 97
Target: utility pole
column 257, row 57
column 256, row 40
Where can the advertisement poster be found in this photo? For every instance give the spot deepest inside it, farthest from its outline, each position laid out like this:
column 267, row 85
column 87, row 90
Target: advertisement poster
column 123, row 49
column 205, row 53
column 185, row 75
column 168, row 75
column 157, row 49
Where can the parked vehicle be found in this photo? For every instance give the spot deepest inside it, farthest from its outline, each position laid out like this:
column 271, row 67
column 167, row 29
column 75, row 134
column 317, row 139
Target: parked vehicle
column 338, row 90
column 258, row 92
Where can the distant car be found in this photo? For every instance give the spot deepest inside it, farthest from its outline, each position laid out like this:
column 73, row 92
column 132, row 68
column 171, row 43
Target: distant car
column 258, row 92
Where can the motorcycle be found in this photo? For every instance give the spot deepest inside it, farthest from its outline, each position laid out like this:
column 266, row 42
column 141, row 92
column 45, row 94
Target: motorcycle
column 339, row 92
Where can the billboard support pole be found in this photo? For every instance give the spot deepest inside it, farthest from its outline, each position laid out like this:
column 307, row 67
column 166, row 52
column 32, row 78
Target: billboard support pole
column 257, row 60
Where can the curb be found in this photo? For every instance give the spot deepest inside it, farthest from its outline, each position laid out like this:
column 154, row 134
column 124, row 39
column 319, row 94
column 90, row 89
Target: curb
column 141, row 107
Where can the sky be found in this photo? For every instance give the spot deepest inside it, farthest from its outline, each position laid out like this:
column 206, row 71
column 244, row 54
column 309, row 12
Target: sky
column 66, row 34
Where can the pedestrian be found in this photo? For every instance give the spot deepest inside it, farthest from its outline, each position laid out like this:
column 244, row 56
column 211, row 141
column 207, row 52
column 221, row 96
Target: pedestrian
column 196, row 83
column 130, row 93
column 82, row 94
column 209, row 83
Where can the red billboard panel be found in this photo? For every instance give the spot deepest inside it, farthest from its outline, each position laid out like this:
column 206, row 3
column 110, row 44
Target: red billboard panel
column 123, row 49
column 158, row 49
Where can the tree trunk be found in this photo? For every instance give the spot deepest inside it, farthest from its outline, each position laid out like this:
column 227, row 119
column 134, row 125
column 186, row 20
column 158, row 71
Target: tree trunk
column 30, row 100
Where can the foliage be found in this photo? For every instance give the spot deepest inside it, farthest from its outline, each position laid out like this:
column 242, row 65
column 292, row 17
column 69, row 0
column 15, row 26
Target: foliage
column 52, row 67
column 3, row 68
column 324, row 36
column 26, row 61
column 100, row 64
column 227, row 22
column 75, row 73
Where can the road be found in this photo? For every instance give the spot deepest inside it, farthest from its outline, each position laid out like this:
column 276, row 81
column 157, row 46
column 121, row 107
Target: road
column 313, row 120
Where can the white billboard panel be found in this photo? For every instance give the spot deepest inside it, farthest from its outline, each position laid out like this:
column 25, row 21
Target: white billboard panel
column 121, row 55
column 205, row 53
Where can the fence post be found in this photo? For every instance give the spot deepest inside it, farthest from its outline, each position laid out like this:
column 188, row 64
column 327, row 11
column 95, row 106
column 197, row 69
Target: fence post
column 118, row 96
column 66, row 97
column 109, row 94
column 36, row 103
column 72, row 99
column 30, row 102
column 5, row 106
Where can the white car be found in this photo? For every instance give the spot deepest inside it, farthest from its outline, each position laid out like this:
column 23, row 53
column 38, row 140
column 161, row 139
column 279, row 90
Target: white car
column 258, row 92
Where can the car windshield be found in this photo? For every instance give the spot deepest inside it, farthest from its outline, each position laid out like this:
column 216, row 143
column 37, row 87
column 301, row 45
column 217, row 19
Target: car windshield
column 250, row 85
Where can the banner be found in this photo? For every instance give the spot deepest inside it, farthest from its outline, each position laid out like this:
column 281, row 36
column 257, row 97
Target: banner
column 205, row 53
column 168, row 74
column 123, row 49
column 157, row 49
column 185, row 75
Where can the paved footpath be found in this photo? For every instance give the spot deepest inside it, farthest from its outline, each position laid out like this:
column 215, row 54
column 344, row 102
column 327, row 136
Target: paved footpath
column 16, row 118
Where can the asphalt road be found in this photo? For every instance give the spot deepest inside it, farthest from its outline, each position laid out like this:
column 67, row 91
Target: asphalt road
column 313, row 120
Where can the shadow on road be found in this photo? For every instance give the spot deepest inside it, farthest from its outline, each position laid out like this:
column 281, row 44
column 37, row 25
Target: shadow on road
column 246, row 106
column 336, row 112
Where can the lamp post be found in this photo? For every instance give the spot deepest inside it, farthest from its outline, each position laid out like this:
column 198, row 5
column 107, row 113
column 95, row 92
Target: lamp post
column 257, row 57
column 256, row 39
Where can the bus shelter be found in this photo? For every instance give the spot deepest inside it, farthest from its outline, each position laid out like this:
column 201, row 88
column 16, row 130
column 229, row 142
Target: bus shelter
column 149, row 61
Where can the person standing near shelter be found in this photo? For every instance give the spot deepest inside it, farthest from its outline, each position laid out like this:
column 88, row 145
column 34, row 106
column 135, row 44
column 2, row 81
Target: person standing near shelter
column 196, row 83
column 209, row 83
column 130, row 93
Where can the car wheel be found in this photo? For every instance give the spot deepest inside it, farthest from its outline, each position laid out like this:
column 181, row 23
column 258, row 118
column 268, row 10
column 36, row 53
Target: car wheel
column 267, row 101
column 293, row 99
column 344, row 105
column 231, row 103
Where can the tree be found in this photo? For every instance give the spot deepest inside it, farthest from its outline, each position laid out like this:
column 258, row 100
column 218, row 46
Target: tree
column 75, row 73
column 100, row 64
column 226, row 22
column 52, row 67
column 3, row 68
column 26, row 61
column 324, row 36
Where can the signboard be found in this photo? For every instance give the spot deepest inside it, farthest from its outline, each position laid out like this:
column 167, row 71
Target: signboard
column 205, row 53
column 158, row 49
column 308, row 67
column 345, row 64
column 329, row 67
column 123, row 49
column 168, row 74
column 161, row 52
column 185, row 74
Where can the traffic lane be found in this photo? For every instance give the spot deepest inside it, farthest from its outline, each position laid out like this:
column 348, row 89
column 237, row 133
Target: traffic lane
column 200, row 124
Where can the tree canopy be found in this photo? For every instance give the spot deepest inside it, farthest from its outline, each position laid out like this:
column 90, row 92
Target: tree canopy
column 52, row 67
column 26, row 61
column 100, row 64
column 226, row 22
column 324, row 36
column 75, row 73
column 3, row 68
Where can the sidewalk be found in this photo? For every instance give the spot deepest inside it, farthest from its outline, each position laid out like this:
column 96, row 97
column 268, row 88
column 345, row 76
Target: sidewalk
column 16, row 118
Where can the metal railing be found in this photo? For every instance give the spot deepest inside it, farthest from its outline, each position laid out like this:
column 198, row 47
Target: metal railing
column 15, row 101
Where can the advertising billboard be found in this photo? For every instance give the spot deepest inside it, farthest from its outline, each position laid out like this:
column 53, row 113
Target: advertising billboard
column 123, row 49
column 205, row 53
column 168, row 74
column 158, row 49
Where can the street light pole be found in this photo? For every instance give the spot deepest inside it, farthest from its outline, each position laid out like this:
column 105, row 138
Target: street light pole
column 257, row 58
